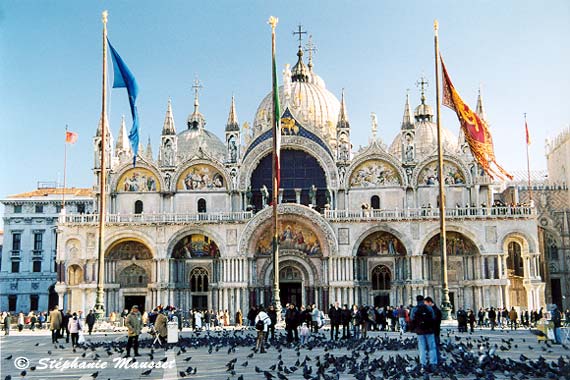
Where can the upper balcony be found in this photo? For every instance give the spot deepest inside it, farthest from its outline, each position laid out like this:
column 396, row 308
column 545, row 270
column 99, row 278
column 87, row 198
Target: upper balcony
column 469, row 213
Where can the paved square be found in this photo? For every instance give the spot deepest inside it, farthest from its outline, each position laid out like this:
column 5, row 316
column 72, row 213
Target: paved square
column 228, row 355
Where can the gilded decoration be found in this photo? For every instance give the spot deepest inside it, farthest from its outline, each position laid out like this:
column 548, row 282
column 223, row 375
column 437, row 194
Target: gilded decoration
column 129, row 250
column 292, row 235
column 195, row 245
column 381, row 243
column 138, row 180
column 456, row 245
column 374, row 173
column 201, row 177
column 452, row 174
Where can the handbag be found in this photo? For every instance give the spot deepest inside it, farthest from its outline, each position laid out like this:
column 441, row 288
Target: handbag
column 81, row 338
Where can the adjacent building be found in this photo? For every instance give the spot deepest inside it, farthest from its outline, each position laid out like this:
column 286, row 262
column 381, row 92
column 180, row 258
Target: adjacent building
column 28, row 265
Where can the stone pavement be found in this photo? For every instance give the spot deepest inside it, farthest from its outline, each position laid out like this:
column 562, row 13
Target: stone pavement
column 229, row 355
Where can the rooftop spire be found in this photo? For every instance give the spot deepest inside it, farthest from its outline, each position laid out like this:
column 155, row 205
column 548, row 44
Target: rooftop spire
column 168, row 128
column 196, row 120
column 423, row 112
column 407, row 122
column 480, row 110
column 310, row 48
column 300, row 72
column 232, row 124
column 343, row 115
column 149, row 149
column 122, row 140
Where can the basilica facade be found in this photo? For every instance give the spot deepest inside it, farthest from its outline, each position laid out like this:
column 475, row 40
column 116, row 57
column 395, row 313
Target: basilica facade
column 191, row 226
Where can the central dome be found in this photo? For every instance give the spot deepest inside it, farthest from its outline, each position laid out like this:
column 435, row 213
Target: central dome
column 308, row 99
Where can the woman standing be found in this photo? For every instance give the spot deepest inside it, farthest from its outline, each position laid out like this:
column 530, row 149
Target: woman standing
column 74, row 327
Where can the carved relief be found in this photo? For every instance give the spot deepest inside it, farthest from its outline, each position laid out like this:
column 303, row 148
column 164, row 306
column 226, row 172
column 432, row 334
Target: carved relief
column 452, row 174
column 201, row 177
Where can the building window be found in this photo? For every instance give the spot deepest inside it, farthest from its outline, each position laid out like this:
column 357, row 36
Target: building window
column 201, row 205
column 37, row 266
column 15, row 267
column 81, row 208
column 57, row 209
column 381, row 278
column 38, row 241
column 16, row 241
column 199, row 280
column 515, row 264
column 553, row 252
column 375, row 202
column 12, row 301
column 34, row 302
column 39, row 209
column 17, row 209
column 138, row 207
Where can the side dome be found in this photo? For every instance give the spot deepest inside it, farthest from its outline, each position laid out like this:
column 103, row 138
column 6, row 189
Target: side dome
column 194, row 140
column 308, row 99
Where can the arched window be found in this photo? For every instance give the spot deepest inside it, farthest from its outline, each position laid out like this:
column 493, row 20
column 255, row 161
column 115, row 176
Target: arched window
column 133, row 276
column 375, row 202
column 381, row 278
column 198, row 280
column 138, row 207
column 75, row 275
column 553, row 252
column 515, row 262
column 201, row 205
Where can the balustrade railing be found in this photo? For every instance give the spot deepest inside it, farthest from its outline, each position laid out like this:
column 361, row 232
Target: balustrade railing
column 160, row 218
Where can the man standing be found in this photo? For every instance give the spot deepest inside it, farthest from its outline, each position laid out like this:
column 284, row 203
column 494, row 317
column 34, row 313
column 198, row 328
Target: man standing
column 557, row 320
column 315, row 318
column 272, row 313
column 90, row 319
column 492, row 318
column 335, row 317
column 134, row 324
column 291, row 322
column 423, row 322
column 513, row 316
column 261, row 323
column 345, row 317
column 437, row 326
column 55, row 322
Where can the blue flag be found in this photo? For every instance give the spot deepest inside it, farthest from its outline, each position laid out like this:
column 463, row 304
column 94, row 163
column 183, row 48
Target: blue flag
column 123, row 77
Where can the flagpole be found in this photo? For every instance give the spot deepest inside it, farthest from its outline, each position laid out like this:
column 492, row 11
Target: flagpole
column 64, row 172
column 528, row 160
column 99, row 302
column 276, row 297
column 445, row 304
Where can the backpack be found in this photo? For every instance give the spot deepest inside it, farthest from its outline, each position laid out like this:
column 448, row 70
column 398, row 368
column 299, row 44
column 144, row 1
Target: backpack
column 423, row 318
column 260, row 325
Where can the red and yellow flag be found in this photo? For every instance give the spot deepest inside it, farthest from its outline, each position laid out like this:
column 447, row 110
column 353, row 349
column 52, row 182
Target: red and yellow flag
column 70, row 137
column 527, row 134
column 476, row 130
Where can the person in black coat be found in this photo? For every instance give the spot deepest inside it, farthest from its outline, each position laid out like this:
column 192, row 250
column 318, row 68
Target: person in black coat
column 436, row 327
column 345, row 317
column 335, row 317
column 291, row 322
column 64, row 323
column 90, row 320
column 272, row 313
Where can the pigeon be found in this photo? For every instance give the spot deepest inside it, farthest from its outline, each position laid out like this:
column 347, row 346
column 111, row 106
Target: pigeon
column 146, row 373
column 244, row 364
column 187, row 359
column 95, row 374
column 8, row 357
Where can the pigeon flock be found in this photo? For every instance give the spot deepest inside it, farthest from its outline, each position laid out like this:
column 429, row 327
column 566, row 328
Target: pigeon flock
column 387, row 356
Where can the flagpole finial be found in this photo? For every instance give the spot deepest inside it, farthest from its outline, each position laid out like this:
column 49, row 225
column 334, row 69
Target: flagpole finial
column 273, row 22
column 435, row 25
column 104, row 16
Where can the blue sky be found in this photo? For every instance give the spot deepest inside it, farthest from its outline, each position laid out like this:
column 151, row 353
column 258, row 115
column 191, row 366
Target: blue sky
column 50, row 69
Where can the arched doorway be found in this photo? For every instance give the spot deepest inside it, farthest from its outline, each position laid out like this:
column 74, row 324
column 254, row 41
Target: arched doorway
column 299, row 171
column 290, row 285
column 462, row 264
column 193, row 264
column 386, row 256
column 381, row 285
column 128, row 265
column 515, row 274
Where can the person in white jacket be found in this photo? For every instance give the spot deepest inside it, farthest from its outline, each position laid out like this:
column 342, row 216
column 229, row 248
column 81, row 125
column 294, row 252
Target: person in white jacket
column 74, row 327
column 262, row 322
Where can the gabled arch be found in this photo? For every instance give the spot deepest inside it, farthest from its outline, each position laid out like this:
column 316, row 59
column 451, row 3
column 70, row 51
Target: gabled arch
column 375, row 153
column 123, row 169
column 464, row 170
column 450, row 227
column 294, row 143
column 527, row 243
column 198, row 162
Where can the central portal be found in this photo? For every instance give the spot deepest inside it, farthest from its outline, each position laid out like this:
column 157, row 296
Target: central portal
column 290, row 292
